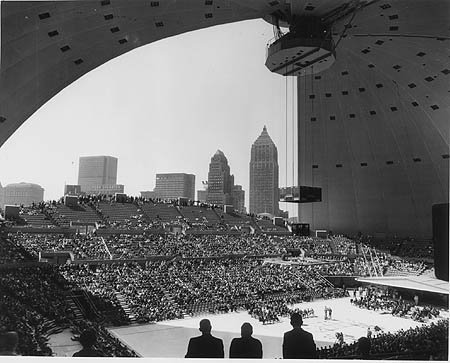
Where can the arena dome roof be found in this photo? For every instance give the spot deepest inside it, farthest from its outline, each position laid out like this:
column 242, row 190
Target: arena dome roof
column 47, row 45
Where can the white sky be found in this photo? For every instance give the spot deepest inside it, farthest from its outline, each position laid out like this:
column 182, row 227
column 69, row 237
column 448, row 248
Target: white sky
column 164, row 107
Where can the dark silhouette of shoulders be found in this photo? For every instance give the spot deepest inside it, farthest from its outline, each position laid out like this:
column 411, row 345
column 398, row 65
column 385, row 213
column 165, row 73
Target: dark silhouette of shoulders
column 247, row 347
column 298, row 343
column 88, row 352
column 87, row 339
column 205, row 346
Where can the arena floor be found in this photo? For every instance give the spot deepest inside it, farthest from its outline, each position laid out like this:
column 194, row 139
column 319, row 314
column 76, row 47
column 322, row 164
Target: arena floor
column 170, row 339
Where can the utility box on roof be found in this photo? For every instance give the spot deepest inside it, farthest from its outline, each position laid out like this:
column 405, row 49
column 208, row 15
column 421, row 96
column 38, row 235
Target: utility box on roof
column 70, row 200
column 11, row 212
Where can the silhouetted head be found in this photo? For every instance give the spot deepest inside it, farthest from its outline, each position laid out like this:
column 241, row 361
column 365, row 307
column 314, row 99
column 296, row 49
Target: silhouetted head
column 364, row 346
column 296, row 320
column 8, row 342
column 88, row 338
column 205, row 326
column 246, row 330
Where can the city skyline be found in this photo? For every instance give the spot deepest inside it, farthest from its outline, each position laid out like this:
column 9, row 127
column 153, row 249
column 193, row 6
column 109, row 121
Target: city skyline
column 158, row 116
column 85, row 161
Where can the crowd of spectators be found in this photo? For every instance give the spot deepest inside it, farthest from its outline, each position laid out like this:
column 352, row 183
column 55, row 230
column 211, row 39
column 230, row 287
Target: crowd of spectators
column 33, row 303
column 271, row 309
column 107, row 206
column 381, row 300
column 149, row 245
column 315, row 246
column 416, row 249
column 82, row 246
column 162, row 290
column 427, row 342
column 33, row 210
column 404, row 247
column 107, row 344
column 209, row 273
column 143, row 289
column 343, row 245
column 134, row 222
column 144, row 245
column 340, row 268
column 397, row 266
column 11, row 252
column 140, row 246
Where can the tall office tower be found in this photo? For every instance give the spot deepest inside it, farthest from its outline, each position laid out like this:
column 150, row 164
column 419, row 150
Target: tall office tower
column 202, row 194
column 175, row 185
column 98, row 175
column 264, row 176
column 97, row 170
column 220, row 182
column 238, row 198
column 22, row 194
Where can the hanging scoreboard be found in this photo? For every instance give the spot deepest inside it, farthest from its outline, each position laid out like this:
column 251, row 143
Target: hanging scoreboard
column 302, row 194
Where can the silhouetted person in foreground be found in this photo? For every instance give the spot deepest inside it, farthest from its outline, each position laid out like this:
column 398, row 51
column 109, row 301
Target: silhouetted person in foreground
column 298, row 343
column 87, row 340
column 364, row 348
column 205, row 345
column 8, row 343
column 246, row 346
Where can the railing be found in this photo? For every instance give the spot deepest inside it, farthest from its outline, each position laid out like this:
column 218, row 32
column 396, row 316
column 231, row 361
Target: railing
column 107, row 249
column 411, row 355
column 377, row 261
column 365, row 260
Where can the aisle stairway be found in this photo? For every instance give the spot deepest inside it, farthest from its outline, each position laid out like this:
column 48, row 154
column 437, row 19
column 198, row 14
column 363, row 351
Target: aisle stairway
column 78, row 314
column 169, row 296
column 358, row 249
column 124, row 305
column 256, row 225
column 332, row 245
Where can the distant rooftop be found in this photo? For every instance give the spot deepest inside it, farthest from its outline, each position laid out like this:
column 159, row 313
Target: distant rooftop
column 23, row 185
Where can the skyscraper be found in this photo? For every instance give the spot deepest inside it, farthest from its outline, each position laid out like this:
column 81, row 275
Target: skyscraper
column 220, row 182
column 238, row 198
column 175, row 185
column 97, row 170
column 264, row 176
column 202, row 194
column 98, row 175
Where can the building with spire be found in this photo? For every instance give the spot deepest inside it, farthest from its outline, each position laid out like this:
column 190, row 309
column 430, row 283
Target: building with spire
column 264, row 176
column 220, row 181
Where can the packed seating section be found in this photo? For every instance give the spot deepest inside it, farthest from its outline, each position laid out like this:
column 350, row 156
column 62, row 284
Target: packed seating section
column 191, row 274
